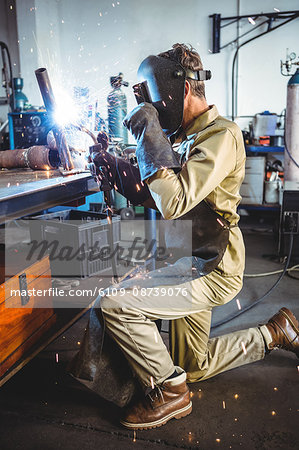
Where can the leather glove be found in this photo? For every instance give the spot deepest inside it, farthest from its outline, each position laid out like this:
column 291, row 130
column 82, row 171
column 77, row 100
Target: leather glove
column 121, row 175
column 154, row 151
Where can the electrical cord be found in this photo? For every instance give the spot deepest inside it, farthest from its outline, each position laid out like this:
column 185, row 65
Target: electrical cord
column 259, row 300
column 256, row 275
column 4, row 47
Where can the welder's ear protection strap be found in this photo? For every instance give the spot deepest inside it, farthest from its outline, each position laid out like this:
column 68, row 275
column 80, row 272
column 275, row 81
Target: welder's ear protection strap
column 122, row 175
column 154, row 151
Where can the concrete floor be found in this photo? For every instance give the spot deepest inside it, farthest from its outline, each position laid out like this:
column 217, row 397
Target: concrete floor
column 252, row 407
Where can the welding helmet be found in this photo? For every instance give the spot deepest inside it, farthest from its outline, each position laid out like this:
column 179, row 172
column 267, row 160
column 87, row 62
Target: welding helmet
column 162, row 83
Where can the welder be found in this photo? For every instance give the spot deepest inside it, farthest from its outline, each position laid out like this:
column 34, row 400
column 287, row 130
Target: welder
column 201, row 182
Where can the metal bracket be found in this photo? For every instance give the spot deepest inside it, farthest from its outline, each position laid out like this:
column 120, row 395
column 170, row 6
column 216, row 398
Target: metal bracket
column 269, row 19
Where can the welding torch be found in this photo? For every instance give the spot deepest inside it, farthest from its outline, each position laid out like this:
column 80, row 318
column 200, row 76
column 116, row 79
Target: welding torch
column 100, row 176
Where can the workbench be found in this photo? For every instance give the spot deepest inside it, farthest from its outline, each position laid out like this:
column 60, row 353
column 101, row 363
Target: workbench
column 24, row 191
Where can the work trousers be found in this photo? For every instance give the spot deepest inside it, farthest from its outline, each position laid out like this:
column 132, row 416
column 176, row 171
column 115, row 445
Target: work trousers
column 130, row 312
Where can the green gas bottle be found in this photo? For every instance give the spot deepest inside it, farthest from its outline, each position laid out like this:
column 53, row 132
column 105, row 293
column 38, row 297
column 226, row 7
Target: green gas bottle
column 20, row 99
column 117, row 110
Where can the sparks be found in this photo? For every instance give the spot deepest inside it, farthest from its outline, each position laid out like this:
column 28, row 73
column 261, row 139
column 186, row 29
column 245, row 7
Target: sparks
column 223, row 404
column 218, row 440
column 137, row 187
column 124, row 173
column 134, row 436
column 152, row 383
column 275, row 389
column 164, row 104
column 219, row 221
column 236, row 396
column 276, row 9
column 78, row 343
column 273, row 413
column 250, row 20
column 244, row 348
column 56, row 357
column 238, row 303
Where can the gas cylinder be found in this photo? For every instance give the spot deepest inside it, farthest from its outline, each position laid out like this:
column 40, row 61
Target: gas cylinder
column 117, row 109
column 291, row 154
column 20, row 99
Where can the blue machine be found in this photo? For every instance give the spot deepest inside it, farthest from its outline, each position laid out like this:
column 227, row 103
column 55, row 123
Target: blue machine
column 28, row 128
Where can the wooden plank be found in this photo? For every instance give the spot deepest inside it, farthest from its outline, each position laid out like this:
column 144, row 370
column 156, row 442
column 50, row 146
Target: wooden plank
column 26, row 345
column 21, row 325
column 56, row 331
column 41, row 345
column 33, row 271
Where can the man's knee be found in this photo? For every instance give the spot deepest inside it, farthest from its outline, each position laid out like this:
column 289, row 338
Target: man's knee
column 109, row 306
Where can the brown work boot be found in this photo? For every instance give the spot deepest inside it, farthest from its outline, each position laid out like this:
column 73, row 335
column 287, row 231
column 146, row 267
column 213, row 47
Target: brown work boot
column 169, row 400
column 284, row 330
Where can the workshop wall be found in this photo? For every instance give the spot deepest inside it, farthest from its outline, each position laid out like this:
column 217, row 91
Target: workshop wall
column 84, row 43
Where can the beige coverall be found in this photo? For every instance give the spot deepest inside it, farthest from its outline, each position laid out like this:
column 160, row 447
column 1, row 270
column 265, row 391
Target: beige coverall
column 213, row 159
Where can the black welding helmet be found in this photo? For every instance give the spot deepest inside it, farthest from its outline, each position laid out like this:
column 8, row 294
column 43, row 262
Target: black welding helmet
column 163, row 84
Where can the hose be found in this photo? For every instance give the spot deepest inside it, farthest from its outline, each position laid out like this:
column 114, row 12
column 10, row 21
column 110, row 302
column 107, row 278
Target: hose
column 259, row 300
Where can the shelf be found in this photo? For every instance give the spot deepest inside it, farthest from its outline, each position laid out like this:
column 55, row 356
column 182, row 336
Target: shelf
column 263, row 149
column 265, row 206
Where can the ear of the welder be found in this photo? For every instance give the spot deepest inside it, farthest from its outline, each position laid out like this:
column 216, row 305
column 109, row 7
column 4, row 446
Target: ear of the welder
column 165, row 81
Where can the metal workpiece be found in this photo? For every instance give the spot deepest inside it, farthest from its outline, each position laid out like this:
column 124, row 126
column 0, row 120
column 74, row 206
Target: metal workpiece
column 23, row 191
column 50, row 105
column 46, row 90
column 37, row 157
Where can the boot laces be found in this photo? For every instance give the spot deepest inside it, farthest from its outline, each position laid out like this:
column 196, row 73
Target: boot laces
column 156, row 393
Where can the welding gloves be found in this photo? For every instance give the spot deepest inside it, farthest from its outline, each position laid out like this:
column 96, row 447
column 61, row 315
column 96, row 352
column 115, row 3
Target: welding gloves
column 121, row 175
column 154, row 151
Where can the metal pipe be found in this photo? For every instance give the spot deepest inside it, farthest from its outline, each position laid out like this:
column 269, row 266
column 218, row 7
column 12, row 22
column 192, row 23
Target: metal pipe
column 50, row 105
column 46, row 90
column 4, row 125
column 38, row 157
